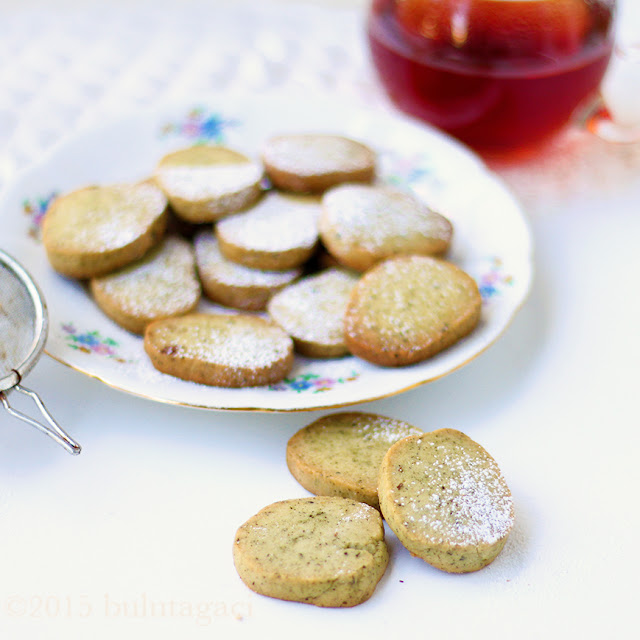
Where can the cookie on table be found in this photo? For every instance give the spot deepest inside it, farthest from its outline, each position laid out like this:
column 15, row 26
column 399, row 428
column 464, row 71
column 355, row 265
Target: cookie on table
column 205, row 183
column 97, row 229
column 409, row 308
column 161, row 284
column 232, row 284
column 311, row 163
column 445, row 498
column 363, row 224
column 312, row 311
column 220, row 350
column 340, row 454
column 325, row 551
column 277, row 234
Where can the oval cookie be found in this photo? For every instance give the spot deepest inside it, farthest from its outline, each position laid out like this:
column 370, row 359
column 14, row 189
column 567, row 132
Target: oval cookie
column 160, row 285
column 220, row 350
column 325, row 551
column 361, row 225
column 279, row 233
column 205, row 183
column 312, row 311
column 235, row 285
column 340, row 454
column 311, row 163
column 407, row 309
column 445, row 498
column 95, row 230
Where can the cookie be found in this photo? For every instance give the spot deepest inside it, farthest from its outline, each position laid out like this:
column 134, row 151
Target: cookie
column 277, row 234
column 234, row 285
column 205, row 183
column 161, row 284
column 95, row 230
column 363, row 224
column 312, row 311
column 311, row 163
column 445, row 498
column 407, row 309
column 220, row 350
column 325, row 551
column 340, row 454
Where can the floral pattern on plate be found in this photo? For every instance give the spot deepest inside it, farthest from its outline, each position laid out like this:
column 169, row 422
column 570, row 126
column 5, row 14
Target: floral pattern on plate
column 408, row 171
column 312, row 382
column 493, row 282
column 92, row 342
column 35, row 208
column 493, row 243
column 200, row 126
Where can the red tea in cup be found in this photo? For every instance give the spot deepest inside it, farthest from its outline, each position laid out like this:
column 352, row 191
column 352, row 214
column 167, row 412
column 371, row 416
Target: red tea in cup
column 497, row 74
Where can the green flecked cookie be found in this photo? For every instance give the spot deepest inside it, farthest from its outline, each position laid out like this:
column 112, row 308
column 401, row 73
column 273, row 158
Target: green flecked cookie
column 311, row 163
column 162, row 284
column 95, row 230
column 361, row 225
column 311, row 311
column 340, row 454
column 445, row 498
column 220, row 350
column 406, row 309
column 205, row 183
column 325, row 551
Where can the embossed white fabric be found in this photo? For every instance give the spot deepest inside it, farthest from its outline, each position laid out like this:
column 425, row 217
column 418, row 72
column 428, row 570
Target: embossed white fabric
column 72, row 67
column 70, row 64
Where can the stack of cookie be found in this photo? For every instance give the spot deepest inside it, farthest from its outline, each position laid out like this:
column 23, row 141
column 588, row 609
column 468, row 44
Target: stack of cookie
column 310, row 252
column 441, row 494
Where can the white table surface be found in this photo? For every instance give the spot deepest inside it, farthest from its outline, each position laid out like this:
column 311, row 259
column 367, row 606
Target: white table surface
column 132, row 539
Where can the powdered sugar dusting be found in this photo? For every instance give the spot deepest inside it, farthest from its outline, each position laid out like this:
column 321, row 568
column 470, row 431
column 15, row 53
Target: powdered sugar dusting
column 204, row 182
column 316, row 154
column 357, row 430
column 212, row 264
column 107, row 217
column 405, row 298
column 375, row 217
column 375, row 428
column 313, row 308
column 162, row 283
column 451, row 490
column 275, row 224
column 228, row 340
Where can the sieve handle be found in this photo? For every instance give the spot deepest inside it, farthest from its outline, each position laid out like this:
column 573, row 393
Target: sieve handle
column 52, row 428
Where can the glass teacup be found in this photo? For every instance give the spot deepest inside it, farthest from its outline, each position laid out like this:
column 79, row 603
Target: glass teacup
column 498, row 74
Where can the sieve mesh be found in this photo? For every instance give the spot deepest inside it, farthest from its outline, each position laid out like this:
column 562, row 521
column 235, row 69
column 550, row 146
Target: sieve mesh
column 18, row 336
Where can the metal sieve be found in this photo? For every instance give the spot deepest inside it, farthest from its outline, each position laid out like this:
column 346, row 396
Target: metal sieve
column 23, row 333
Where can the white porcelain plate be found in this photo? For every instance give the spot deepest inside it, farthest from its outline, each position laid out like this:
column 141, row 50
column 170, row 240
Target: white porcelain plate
column 492, row 241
